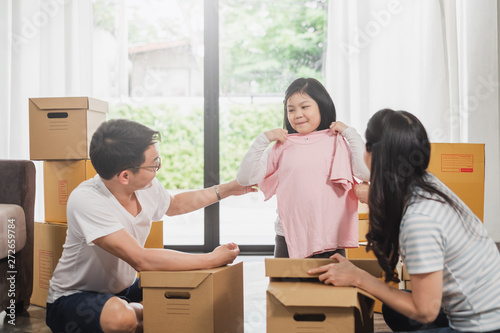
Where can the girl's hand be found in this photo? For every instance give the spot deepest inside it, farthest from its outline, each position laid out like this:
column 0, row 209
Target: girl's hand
column 277, row 134
column 234, row 188
column 361, row 191
column 342, row 274
column 338, row 127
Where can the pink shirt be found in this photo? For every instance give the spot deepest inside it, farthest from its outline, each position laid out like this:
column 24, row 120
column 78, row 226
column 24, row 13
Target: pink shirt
column 312, row 178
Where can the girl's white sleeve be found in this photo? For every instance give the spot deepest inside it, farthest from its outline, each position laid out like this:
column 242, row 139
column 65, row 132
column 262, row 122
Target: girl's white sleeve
column 357, row 147
column 253, row 167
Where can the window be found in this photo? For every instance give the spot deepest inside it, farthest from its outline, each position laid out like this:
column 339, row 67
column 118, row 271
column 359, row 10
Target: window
column 264, row 46
column 210, row 76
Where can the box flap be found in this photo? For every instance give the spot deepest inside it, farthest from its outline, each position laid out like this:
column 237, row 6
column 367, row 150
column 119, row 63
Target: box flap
column 178, row 279
column 184, row 279
column 315, row 294
column 98, row 105
column 69, row 103
column 297, row 268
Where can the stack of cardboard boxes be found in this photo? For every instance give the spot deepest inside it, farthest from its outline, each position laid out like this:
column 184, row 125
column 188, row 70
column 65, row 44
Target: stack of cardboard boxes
column 60, row 133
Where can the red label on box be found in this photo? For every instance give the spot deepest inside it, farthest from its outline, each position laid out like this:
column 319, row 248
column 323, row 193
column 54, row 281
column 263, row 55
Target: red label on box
column 62, row 190
column 457, row 163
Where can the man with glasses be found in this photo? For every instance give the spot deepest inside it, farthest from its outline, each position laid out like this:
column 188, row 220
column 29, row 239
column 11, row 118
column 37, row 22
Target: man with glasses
column 94, row 287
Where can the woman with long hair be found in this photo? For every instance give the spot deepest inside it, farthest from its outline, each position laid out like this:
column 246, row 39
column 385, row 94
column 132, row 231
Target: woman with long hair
column 454, row 265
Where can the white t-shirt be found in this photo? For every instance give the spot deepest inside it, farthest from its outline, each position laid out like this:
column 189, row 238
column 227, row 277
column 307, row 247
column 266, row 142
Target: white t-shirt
column 94, row 212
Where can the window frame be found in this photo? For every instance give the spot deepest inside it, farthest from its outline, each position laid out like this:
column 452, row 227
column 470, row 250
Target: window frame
column 211, row 177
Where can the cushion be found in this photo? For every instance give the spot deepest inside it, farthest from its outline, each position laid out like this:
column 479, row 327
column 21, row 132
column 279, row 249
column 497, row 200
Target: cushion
column 12, row 229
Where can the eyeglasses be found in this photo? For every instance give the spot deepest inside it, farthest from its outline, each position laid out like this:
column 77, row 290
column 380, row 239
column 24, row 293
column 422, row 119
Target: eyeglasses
column 155, row 167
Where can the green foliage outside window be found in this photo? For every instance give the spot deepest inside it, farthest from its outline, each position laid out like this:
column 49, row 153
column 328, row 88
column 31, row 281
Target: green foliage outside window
column 265, row 45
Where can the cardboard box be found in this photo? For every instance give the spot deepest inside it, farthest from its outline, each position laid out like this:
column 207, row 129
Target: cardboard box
column 60, row 178
column 298, row 303
column 155, row 237
column 362, row 211
column 209, row 300
column 405, row 278
column 297, row 268
column 61, row 128
column 461, row 167
column 363, row 230
column 359, row 253
column 48, row 247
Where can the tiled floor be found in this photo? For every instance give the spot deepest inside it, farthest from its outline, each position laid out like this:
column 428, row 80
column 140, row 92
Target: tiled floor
column 255, row 284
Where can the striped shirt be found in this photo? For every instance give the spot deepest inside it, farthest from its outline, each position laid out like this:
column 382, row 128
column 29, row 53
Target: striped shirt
column 434, row 237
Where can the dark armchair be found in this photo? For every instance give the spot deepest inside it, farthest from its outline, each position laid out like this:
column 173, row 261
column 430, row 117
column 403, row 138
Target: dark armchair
column 17, row 206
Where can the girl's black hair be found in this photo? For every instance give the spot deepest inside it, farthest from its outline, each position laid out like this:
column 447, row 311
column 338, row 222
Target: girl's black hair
column 314, row 89
column 400, row 152
column 119, row 144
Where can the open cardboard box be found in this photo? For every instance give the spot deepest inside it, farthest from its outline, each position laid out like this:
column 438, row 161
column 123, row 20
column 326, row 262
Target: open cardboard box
column 298, row 302
column 208, row 301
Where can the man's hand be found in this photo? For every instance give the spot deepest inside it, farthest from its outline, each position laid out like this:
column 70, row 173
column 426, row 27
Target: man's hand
column 224, row 254
column 234, row 188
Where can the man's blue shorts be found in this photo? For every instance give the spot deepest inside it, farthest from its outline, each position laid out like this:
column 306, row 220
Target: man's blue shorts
column 81, row 312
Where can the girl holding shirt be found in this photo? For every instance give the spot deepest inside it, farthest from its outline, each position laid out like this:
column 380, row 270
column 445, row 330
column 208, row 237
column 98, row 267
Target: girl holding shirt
column 452, row 262
column 310, row 169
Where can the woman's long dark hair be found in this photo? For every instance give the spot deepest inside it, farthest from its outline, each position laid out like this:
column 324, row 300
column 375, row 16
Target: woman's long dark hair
column 400, row 151
column 314, row 89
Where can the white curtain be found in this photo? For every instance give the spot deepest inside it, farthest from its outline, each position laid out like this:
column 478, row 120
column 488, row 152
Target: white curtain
column 46, row 51
column 437, row 59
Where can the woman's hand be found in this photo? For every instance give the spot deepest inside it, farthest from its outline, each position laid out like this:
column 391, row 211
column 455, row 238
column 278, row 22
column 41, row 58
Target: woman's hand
column 342, row 274
column 338, row 127
column 361, row 191
column 277, row 134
